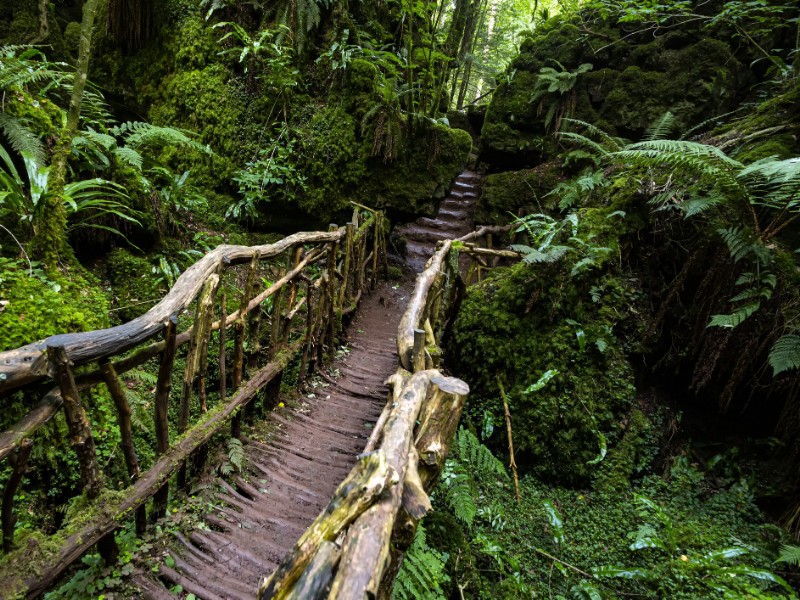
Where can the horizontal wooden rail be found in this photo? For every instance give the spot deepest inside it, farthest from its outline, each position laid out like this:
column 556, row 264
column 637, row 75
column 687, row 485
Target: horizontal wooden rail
column 418, row 307
column 29, row 363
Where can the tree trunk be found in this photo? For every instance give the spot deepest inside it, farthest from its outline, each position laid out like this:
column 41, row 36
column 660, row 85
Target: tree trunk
column 50, row 241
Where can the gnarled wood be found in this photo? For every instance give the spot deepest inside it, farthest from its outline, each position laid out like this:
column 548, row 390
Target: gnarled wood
column 19, row 464
column 80, row 432
column 29, row 363
column 368, row 479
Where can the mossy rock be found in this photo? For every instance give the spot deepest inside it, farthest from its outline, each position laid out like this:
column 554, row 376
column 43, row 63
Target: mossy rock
column 510, row 191
column 37, row 306
column 521, row 322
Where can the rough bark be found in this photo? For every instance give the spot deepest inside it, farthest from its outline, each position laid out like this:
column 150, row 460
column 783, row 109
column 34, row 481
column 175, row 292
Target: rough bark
column 368, row 479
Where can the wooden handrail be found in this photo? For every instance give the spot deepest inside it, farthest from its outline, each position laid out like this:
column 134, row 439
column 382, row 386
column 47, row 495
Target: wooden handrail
column 30, row 365
column 412, row 436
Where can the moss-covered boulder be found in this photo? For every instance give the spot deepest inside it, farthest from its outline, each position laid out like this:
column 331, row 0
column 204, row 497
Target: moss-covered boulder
column 135, row 287
column 505, row 194
column 634, row 79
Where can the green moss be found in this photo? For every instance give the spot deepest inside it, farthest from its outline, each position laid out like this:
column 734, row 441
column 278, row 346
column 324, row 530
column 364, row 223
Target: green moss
column 518, row 324
column 504, row 193
column 422, row 174
column 39, row 306
column 135, row 286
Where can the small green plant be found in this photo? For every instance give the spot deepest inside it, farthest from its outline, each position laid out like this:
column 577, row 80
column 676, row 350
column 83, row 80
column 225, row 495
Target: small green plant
column 422, row 573
column 273, row 176
column 473, row 462
column 234, row 460
column 711, row 569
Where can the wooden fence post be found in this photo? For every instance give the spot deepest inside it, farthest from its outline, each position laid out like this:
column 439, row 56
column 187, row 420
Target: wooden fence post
column 19, row 463
column 333, row 251
column 117, row 392
column 418, row 358
column 199, row 338
column 80, row 431
column 238, row 345
column 161, row 410
column 223, row 340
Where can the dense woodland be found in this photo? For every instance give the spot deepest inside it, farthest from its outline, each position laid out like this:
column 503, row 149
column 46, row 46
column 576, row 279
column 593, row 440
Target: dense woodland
column 644, row 350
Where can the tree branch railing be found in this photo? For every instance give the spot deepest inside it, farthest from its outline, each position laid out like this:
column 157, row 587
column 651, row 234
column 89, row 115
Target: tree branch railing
column 319, row 277
column 355, row 547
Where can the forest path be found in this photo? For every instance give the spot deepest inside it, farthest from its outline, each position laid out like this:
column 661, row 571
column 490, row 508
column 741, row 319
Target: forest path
column 292, row 475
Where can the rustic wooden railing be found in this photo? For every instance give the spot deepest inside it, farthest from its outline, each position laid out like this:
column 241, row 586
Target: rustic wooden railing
column 318, row 279
column 355, row 547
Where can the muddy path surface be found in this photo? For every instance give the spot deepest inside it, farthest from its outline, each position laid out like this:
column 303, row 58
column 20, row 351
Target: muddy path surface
column 290, row 477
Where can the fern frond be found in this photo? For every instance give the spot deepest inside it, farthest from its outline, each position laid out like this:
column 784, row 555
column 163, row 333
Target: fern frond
column 661, row 128
column 22, row 139
column 789, row 555
column 138, row 135
column 422, row 572
column 130, row 157
column 785, row 354
column 735, row 318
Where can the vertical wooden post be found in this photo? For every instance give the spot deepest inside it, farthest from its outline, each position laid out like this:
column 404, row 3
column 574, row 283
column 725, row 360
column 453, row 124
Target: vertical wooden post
column 331, row 291
column 418, row 359
column 310, row 306
column 223, row 340
column 19, row 463
column 117, row 392
column 298, row 256
column 161, row 410
column 376, row 248
column 349, row 264
column 204, row 344
column 80, row 430
column 238, row 347
column 276, row 333
column 205, row 303
column 123, row 417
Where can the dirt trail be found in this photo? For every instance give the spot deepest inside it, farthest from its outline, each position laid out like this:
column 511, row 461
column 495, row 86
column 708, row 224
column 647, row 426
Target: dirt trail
column 292, row 477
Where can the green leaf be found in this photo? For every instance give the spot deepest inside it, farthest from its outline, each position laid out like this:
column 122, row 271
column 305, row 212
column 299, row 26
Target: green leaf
column 622, row 572
column 785, row 354
column 541, row 382
column 554, row 519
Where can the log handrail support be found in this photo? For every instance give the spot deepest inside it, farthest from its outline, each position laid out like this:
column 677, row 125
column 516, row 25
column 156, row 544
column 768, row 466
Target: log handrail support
column 355, row 547
column 75, row 363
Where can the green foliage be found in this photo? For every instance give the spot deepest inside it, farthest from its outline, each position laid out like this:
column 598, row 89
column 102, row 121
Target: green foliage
column 274, row 176
column 34, row 306
column 707, row 570
column 422, row 573
column 785, row 354
column 234, row 460
column 789, row 555
column 473, row 462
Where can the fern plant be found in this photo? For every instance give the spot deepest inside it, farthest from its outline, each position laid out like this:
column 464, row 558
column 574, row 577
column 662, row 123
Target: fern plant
column 87, row 202
column 473, row 462
column 422, row 573
column 551, row 86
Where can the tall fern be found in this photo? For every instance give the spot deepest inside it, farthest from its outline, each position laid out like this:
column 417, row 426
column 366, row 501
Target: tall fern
column 422, row 572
